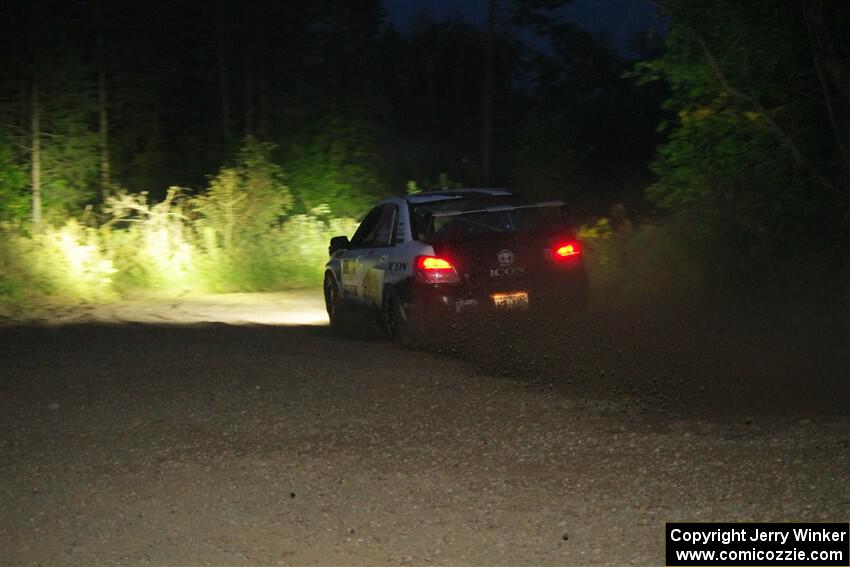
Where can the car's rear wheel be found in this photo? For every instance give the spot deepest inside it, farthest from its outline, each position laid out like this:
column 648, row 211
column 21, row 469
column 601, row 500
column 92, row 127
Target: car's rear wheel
column 400, row 324
column 339, row 314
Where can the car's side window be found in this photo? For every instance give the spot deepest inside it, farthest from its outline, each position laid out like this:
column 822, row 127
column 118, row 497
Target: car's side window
column 386, row 227
column 366, row 231
column 377, row 229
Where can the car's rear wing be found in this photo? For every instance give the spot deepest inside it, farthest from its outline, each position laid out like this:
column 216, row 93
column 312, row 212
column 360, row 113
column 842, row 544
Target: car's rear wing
column 439, row 222
column 499, row 209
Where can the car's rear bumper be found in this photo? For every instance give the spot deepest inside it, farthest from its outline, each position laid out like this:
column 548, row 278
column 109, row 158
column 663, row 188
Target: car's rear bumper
column 567, row 290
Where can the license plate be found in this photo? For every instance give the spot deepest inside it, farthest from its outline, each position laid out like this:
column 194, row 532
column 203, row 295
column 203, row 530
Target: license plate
column 516, row 300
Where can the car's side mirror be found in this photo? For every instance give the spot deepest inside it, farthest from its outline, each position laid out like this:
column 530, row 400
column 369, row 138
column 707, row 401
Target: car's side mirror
column 338, row 243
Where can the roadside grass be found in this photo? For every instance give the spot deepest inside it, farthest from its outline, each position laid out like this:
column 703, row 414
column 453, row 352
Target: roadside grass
column 74, row 264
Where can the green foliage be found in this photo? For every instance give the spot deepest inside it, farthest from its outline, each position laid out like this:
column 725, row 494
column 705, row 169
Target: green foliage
column 302, row 244
column 442, row 183
column 752, row 163
column 17, row 279
column 245, row 238
column 70, row 262
column 289, row 254
column 238, row 236
column 597, row 234
column 69, row 156
column 413, row 188
column 152, row 245
column 244, row 201
column 334, row 165
column 46, row 78
column 74, row 263
column 14, row 203
column 156, row 249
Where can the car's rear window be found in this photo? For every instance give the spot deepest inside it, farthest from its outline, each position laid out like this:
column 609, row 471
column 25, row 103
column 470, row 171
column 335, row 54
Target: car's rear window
column 431, row 223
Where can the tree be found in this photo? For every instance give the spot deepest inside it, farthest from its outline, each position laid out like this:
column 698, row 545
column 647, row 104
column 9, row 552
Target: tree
column 223, row 79
column 487, row 103
column 435, row 80
column 35, row 152
column 588, row 132
column 336, row 165
column 243, row 201
column 102, row 106
column 757, row 149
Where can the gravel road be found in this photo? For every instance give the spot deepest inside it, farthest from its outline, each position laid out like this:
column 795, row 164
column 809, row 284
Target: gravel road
column 271, row 445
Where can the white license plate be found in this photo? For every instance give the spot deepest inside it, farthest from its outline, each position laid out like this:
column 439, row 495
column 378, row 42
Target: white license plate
column 516, row 300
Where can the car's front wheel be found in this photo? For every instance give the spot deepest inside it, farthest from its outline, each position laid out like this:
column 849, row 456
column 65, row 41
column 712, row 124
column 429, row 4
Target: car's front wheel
column 339, row 314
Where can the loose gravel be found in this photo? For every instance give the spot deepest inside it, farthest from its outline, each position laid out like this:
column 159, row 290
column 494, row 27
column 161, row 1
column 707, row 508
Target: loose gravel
column 265, row 445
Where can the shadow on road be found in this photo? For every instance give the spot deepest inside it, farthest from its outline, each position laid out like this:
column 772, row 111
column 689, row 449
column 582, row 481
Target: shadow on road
column 670, row 362
column 661, row 362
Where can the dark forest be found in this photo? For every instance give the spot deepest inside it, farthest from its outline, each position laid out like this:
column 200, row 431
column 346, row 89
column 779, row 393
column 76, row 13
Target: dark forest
column 173, row 145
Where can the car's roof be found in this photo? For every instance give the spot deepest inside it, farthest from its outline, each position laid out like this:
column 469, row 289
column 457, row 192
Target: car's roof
column 432, row 196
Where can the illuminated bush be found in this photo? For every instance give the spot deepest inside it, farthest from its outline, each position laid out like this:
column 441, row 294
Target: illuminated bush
column 239, row 235
column 290, row 254
column 17, row 280
column 68, row 262
column 243, row 201
column 153, row 245
column 303, row 244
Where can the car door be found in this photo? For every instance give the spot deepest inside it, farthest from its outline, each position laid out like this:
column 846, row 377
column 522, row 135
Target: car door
column 374, row 264
column 353, row 259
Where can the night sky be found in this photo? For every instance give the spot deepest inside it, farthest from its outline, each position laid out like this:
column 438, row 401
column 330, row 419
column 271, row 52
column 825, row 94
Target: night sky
column 619, row 18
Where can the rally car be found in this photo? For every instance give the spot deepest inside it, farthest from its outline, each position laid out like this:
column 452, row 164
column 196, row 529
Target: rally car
column 418, row 260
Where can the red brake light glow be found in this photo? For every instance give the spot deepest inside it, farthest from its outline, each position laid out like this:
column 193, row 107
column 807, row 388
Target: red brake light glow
column 433, row 263
column 434, row 270
column 567, row 249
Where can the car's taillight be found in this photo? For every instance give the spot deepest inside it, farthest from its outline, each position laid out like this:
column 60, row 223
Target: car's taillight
column 566, row 249
column 431, row 269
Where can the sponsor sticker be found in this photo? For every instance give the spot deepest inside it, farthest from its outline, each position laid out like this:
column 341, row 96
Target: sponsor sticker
column 506, row 258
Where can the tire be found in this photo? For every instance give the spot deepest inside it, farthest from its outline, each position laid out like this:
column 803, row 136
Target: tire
column 399, row 326
column 339, row 314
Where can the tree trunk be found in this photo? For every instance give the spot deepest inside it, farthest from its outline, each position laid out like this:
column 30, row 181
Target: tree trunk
column 828, row 52
column 35, row 125
column 263, row 113
column 222, row 72
column 249, row 106
column 250, row 66
column 105, row 175
column 487, row 105
column 103, row 111
column 831, row 73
